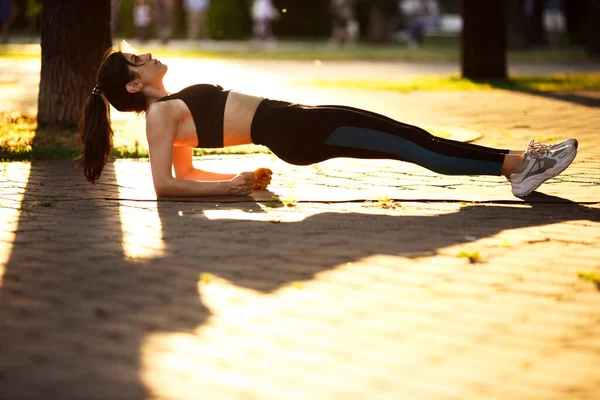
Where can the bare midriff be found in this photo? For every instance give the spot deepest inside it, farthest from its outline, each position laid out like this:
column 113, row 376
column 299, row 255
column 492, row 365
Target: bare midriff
column 239, row 113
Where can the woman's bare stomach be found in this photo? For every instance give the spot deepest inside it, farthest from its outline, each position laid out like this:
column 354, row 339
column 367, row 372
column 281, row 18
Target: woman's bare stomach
column 239, row 112
column 237, row 121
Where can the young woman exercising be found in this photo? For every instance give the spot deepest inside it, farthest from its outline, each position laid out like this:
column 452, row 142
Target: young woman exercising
column 210, row 117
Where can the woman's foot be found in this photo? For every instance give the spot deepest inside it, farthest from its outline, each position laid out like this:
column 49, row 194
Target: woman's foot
column 541, row 162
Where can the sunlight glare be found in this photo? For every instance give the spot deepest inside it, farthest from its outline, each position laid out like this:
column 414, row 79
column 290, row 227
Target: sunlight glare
column 140, row 223
column 126, row 47
column 252, row 338
column 256, row 212
column 10, row 210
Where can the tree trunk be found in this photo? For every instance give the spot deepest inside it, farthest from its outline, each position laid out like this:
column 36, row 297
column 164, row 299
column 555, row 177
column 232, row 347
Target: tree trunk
column 591, row 30
column 574, row 15
column 517, row 25
column 75, row 36
column 536, row 32
column 484, row 39
column 377, row 25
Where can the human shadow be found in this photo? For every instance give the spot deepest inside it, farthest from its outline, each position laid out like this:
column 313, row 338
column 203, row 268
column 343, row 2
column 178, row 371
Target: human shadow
column 259, row 254
column 75, row 310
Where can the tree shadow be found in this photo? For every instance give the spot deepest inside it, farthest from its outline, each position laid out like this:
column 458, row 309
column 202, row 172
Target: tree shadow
column 526, row 86
column 75, row 310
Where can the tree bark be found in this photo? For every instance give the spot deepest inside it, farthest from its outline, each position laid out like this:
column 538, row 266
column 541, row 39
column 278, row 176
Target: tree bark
column 483, row 40
column 75, row 36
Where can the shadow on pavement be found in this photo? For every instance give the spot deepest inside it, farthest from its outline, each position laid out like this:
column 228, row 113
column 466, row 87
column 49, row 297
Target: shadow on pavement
column 578, row 98
column 592, row 102
column 75, row 311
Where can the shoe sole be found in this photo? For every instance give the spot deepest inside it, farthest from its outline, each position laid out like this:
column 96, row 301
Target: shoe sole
column 549, row 174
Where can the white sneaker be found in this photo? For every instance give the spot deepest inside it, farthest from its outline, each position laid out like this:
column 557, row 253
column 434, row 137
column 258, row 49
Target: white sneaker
column 542, row 162
column 567, row 142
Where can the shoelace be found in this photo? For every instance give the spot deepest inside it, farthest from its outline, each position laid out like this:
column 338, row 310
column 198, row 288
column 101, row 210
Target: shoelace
column 536, row 149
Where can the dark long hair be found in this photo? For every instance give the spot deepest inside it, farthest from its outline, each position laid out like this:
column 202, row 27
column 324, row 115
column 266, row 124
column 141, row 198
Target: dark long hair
column 95, row 130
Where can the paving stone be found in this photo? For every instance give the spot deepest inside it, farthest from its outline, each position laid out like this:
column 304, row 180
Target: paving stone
column 106, row 292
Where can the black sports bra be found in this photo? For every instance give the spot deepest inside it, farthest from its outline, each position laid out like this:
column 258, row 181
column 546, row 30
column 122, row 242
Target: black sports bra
column 207, row 105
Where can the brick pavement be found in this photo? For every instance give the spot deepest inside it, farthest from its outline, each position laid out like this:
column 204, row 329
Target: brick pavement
column 107, row 293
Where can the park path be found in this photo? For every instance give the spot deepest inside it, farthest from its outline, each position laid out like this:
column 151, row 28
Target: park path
column 436, row 288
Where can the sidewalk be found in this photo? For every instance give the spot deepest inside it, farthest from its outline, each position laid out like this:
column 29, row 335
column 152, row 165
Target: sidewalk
column 456, row 290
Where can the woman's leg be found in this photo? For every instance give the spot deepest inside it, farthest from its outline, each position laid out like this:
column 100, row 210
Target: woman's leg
column 513, row 160
column 304, row 135
column 383, row 117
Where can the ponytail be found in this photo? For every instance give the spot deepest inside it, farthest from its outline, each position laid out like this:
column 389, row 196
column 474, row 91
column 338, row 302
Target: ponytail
column 94, row 128
column 96, row 135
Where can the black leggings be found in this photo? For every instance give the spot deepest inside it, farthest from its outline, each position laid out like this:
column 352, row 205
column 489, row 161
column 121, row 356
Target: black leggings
column 302, row 135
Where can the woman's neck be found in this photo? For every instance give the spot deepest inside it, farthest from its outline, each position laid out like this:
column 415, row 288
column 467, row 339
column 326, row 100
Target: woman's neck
column 154, row 93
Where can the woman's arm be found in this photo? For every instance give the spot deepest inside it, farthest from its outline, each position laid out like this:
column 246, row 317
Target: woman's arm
column 184, row 169
column 160, row 131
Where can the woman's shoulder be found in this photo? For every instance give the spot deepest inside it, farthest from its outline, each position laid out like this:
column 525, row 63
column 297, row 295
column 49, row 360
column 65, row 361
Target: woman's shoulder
column 160, row 113
column 158, row 109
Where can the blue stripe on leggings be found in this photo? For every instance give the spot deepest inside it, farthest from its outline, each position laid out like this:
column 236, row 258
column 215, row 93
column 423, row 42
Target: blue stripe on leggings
column 370, row 139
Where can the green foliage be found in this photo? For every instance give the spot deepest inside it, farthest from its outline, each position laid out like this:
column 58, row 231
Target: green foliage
column 33, row 8
column 127, row 29
column 229, row 19
column 125, row 22
column 449, row 6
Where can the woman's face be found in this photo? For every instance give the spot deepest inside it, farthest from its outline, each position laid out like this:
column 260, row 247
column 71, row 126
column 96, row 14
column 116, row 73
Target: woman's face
column 149, row 70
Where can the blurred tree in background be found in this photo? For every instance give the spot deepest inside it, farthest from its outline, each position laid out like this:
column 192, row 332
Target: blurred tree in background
column 449, row 6
column 483, row 40
column 525, row 19
column 310, row 19
column 229, row 19
column 303, row 18
column 583, row 23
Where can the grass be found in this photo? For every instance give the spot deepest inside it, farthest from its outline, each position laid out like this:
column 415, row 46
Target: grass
column 46, row 202
column 289, row 202
column 206, row 277
column 550, row 83
column 436, row 49
column 593, row 277
column 21, row 140
column 385, row 203
column 474, row 256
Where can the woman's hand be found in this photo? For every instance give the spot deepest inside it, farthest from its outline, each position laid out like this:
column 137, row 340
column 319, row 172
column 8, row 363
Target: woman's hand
column 262, row 178
column 241, row 184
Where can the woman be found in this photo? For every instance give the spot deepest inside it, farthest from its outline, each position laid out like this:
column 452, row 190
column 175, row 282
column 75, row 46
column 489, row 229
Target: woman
column 208, row 116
